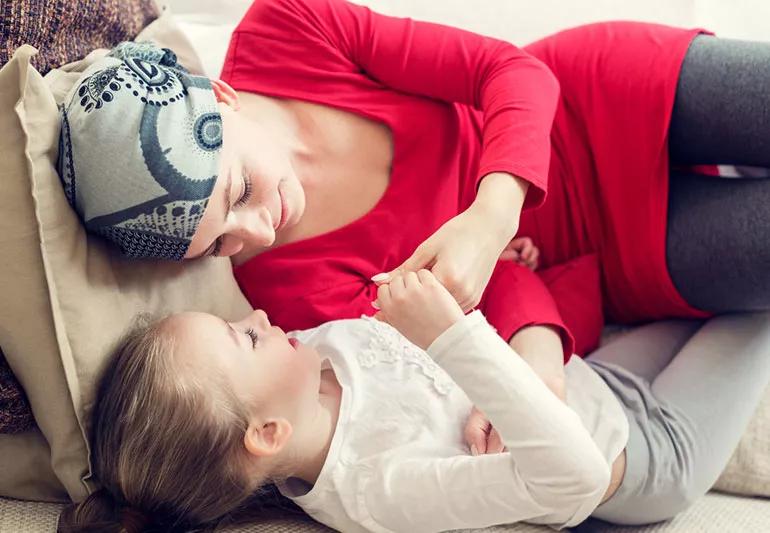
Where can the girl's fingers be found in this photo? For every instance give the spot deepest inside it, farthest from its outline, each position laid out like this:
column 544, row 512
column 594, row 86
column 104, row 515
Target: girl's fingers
column 509, row 255
column 411, row 280
column 383, row 295
column 379, row 316
column 397, row 287
column 425, row 276
column 476, row 432
column 494, row 442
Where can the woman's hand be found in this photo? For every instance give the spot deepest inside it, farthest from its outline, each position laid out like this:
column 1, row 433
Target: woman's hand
column 463, row 252
column 523, row 251
column 418, row 306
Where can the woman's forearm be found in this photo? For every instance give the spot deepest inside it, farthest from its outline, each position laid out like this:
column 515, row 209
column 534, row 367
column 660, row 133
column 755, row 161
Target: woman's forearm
column 500, row 197
column 540, row 347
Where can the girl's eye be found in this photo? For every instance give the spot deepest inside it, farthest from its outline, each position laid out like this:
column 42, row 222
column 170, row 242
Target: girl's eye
column 254, row 337
column 246, row 191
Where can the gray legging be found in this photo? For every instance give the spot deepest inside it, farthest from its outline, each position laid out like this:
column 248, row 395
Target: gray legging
column 689, row 392
column 718, row 242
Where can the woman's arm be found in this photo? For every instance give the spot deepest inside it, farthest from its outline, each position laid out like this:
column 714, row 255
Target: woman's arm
column 517, row 93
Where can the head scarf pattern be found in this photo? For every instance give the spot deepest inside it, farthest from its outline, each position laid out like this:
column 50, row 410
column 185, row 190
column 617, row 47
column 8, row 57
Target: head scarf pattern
column 139, row 150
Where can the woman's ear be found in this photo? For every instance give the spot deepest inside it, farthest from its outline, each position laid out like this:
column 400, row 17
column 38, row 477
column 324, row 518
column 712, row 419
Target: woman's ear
column 267, row 437
column 225, row 94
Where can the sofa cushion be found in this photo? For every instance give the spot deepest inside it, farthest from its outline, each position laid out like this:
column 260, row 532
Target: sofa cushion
column 67, row 31
column 15, row 412
column 67, row 296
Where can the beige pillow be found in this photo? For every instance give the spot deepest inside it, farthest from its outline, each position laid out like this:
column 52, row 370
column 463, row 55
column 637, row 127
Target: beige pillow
column 25, row 469
column 66, row 296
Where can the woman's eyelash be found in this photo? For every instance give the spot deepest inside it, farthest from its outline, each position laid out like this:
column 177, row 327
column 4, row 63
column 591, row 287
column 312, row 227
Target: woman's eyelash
column 217, row 247
column 246, row 191
column 254, row 337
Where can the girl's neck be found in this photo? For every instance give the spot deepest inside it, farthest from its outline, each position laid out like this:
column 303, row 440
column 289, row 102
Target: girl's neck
column 316, row 439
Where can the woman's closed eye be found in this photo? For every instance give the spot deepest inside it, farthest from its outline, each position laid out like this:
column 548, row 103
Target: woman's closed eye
column 254, row 337
column 216, row 246
column 246, row 193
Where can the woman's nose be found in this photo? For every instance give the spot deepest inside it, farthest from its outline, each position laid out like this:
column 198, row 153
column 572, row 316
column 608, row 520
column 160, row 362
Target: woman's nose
column 253, row 228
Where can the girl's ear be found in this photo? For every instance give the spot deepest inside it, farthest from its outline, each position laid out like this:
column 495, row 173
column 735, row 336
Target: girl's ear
column 225, row 94
column 267, row 437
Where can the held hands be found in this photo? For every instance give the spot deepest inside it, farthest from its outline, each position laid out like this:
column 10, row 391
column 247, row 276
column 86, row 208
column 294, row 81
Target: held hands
column 461, row 254
column 417, row 305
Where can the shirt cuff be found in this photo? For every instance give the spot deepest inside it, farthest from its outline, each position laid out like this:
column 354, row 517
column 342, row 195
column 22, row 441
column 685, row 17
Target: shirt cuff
column 456, row 332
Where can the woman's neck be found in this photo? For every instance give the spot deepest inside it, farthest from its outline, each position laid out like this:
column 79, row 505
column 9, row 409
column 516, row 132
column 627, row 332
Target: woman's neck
column 283, row 119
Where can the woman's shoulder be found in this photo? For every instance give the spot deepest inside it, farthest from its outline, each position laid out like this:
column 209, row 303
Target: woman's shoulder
column 264, row 12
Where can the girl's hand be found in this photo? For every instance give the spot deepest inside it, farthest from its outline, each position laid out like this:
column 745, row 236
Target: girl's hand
column 481, row 437
column 418, row 306
column 523, row 251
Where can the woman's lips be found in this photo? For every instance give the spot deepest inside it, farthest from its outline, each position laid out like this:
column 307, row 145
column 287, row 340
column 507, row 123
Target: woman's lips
column 294, row 343
column 284, row 211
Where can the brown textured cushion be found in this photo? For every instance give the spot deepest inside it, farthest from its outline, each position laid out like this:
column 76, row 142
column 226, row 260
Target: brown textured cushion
column 67, row 30
column 15, row 412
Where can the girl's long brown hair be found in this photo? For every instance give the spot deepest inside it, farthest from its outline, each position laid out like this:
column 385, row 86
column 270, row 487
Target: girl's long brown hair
column 167, row 447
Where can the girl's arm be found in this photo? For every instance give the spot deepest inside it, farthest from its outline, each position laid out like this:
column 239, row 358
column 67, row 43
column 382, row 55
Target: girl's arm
column 553, row 471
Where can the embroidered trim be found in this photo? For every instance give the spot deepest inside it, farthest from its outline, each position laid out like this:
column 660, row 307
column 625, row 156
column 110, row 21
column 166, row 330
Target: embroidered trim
column 387, row 345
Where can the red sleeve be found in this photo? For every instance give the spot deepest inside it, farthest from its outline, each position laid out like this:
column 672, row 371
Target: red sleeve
column 517, row 93
column 516, row 297
column 576, row 288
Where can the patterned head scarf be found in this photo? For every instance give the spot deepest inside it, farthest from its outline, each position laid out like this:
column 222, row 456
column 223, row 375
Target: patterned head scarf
column 139, row 150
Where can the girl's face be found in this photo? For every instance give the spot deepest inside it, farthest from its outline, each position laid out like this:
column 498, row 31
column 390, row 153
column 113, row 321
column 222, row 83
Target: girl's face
column 262, row 365
column 257, row 193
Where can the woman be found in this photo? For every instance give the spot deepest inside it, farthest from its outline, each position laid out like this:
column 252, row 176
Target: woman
column 357, row 144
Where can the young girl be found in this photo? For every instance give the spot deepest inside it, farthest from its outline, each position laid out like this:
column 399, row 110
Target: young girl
column 359, row 422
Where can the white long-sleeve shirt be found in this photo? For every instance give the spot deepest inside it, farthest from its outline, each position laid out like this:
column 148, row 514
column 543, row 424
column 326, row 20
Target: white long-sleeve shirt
column 398, row 460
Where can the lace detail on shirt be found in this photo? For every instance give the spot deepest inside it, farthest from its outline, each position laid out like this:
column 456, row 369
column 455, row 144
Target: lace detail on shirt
column 387, row 345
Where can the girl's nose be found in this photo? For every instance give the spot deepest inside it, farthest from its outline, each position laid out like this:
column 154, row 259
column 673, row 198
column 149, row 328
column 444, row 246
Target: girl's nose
column 264, row 322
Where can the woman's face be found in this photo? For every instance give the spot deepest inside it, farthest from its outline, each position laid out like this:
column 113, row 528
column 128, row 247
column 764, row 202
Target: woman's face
column 263, row 366
column 257, row 193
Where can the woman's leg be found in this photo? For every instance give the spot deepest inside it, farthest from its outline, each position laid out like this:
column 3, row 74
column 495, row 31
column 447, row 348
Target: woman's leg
column 718, row 242
column 721, row 111
column 685, row 422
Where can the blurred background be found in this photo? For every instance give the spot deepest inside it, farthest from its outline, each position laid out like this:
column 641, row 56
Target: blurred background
column 209, row 23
